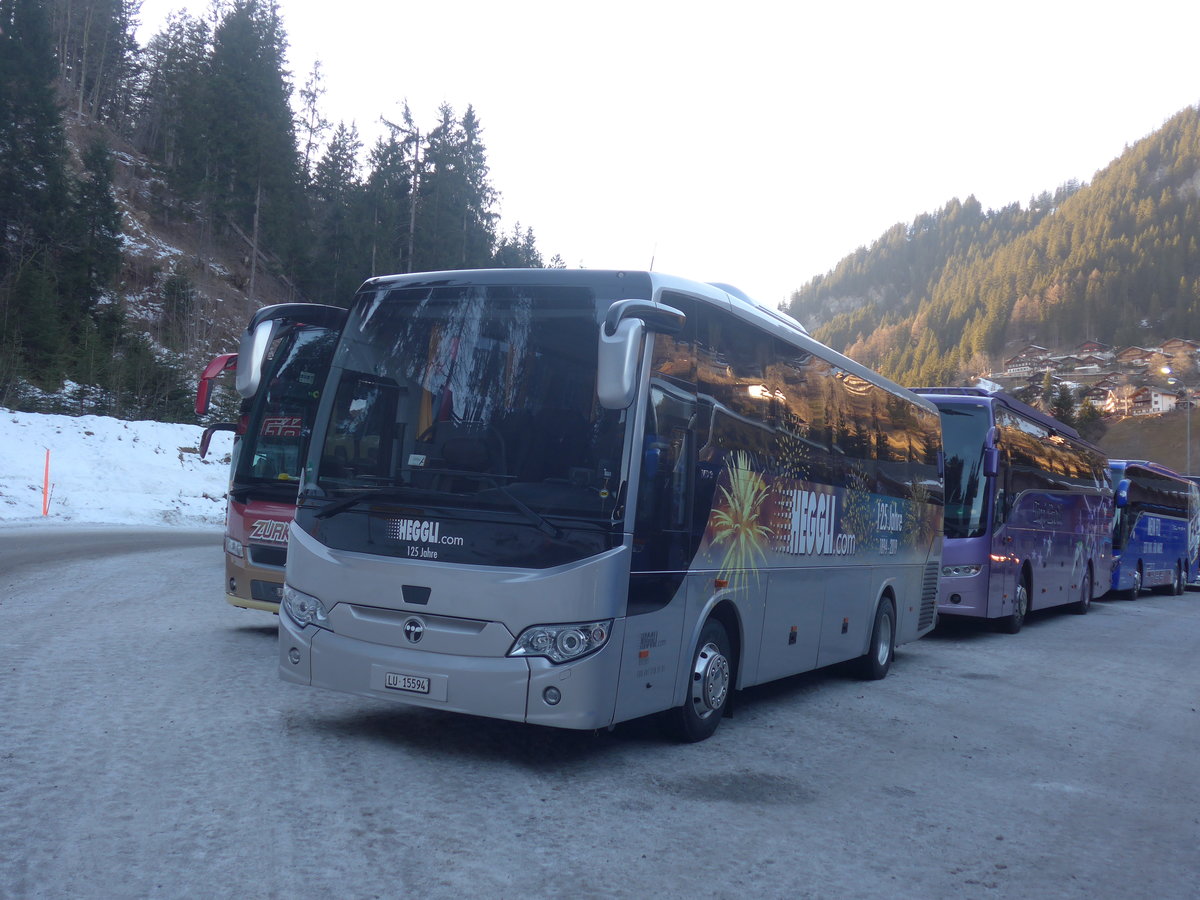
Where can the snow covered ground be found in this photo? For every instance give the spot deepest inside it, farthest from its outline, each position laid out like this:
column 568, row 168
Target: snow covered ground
column 106, row 471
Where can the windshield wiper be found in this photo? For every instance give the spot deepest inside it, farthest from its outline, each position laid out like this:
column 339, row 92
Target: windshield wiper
column 544, row 525
column 333, row 507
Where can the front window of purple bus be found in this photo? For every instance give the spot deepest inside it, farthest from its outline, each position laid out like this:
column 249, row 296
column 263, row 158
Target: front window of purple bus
column 965, row 428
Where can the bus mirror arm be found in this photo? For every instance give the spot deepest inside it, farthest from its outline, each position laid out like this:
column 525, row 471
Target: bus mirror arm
column 206, row 437
column 991, row 462
column 664, row 319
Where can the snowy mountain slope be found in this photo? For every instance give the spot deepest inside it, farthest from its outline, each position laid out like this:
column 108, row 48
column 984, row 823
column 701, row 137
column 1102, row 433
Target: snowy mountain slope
column 107, row 471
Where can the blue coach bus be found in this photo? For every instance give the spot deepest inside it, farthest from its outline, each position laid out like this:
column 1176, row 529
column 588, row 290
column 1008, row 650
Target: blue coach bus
column 1156, row 531
column 1028, row 512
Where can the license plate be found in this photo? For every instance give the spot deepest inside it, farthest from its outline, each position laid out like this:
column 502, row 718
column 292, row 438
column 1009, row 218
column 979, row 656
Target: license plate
column 414, row 684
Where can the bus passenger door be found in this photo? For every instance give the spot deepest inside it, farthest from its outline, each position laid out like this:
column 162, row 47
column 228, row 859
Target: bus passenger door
column 1004, row 562
column 662, row 555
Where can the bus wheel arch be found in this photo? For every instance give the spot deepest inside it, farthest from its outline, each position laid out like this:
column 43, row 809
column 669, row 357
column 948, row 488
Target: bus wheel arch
column 711, row 677
column 881, row 648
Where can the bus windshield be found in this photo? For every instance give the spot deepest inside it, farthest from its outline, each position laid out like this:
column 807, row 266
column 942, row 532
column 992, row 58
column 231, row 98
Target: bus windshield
column 273, row 448
column 964, row 429
column 469, row 396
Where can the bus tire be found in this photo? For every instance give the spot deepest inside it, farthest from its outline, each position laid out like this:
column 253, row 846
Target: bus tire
column 1012, row 623
column 1084, row 603
column 875, row 663
column 710, row 680
column 1177, row 584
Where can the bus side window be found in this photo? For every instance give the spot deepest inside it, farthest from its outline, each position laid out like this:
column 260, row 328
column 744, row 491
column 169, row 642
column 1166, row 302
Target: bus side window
column 663, row 526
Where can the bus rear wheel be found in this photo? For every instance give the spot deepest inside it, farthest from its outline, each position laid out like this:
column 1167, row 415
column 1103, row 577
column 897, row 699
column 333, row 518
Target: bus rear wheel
column 875, row 664
column 710, row 679
column 1177, row 584
column 1012, row 623
column 1084, row 603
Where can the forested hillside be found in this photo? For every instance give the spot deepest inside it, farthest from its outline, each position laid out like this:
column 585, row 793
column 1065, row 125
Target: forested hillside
column 1117, row 260
column 151, row 196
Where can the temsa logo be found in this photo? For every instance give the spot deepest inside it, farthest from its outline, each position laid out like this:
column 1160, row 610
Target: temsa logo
column 269, row 530
column 282, row 426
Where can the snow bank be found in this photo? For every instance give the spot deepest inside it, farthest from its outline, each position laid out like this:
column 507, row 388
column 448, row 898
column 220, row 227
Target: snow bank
column 106, row 471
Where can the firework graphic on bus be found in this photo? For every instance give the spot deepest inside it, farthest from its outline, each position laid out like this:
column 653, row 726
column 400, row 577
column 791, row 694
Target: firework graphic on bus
column 736, row 524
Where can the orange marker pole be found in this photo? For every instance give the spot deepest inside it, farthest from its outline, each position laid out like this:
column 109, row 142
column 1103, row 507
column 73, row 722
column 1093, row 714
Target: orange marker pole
column 46, row 486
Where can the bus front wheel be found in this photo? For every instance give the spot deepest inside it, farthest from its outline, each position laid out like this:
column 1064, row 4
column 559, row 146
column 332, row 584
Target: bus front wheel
column 1012, row 623
column 710, row 679
column 1136, row 587
column 882, row 649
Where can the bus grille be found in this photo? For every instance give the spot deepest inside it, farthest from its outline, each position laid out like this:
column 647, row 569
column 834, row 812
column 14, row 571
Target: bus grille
column 268, row 556
column 929, row 592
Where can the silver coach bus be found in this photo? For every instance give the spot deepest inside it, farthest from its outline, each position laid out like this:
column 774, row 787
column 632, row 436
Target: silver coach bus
column 577, row 497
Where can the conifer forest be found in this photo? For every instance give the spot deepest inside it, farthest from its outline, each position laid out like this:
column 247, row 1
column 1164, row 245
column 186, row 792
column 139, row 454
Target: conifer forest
column 203, row 138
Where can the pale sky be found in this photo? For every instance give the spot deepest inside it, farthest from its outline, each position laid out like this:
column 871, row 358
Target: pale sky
column 754, row 143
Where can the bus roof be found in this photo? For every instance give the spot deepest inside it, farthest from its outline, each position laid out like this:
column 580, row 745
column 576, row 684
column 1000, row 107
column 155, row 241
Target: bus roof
column 648, row 285
column 1150, row 466
column 993, row 397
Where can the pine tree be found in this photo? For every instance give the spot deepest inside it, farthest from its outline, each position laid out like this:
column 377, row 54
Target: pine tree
column 342, row 230
column 34, row 193
column 253, row 174
column 517, row 250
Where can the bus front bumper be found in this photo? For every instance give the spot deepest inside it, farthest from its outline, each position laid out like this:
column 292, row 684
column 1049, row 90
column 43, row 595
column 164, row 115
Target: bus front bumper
column 964, row 595
column 515, row 689
column 252, row 587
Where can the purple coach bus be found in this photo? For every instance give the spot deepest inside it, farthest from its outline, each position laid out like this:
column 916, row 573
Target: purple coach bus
column 1029, row 510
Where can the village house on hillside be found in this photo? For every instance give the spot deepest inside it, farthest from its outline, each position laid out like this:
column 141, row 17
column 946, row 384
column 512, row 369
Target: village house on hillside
column 1180, row 347
column 1121, row 382
column 1098, row 348
column 1032, row 358
column 1150, row 400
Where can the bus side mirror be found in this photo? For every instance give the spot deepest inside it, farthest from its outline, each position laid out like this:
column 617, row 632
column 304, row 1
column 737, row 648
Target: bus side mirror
column 206, row 438
column 617, row 368
column 991, row 462
column 1121, row 495
column 252, row 353
column 621, row 336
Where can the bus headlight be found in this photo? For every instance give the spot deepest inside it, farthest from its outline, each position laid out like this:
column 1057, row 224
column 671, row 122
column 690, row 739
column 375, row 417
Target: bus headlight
column 234, row 548
column 303, row 608
column 958, row 571
column 562, row 643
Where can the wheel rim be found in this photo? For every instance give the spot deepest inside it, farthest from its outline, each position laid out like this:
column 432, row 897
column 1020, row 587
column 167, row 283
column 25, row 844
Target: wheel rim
column 1178, row 586
column 710, row 680
column 1085, row 597
column 883, row 650
column 1137, row 582
column 1022, row 602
